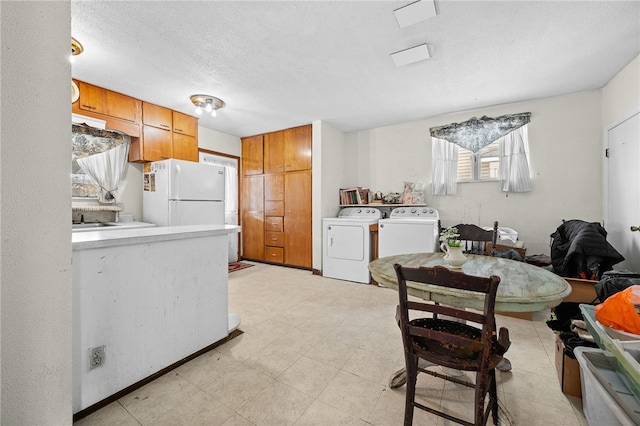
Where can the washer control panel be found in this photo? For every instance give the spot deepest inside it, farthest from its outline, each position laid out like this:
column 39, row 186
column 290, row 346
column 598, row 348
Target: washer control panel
column 414, row 212
column 360, row 212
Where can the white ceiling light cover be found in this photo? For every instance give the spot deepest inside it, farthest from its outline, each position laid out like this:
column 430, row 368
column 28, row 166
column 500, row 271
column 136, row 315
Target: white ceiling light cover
column 411, row 55
column 415, row 12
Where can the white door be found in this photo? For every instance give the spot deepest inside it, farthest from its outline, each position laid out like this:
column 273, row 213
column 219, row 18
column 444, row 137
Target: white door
column 624, row 191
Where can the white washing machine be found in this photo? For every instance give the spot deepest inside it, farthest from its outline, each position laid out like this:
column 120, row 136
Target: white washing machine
column 347, row 246
column 408, row 230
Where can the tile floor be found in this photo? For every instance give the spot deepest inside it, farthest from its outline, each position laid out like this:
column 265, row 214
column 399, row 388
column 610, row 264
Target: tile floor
column 319, row 351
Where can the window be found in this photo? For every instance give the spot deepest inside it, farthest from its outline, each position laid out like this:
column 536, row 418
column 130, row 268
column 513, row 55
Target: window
column 481, row 149
column 98, row 159
column 483, row 165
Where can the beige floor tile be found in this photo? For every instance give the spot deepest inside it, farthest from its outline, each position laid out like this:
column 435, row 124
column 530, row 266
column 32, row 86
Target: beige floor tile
column 243, row 346
column 206, row 368
column 332, row 351
column 308, row 376
column 352, row 395
column 236, row 387
column 321, row 414
column 199, row 410
column 155, row 399
column 111, row 415
column 278, row 404
column 237, row 420
column 530, row 387
column 274, row 359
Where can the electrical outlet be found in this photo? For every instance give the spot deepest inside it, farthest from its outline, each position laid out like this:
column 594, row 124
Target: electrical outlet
column 97, row 357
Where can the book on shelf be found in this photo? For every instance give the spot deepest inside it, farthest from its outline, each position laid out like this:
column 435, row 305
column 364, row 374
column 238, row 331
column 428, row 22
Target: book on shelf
column 354, row 195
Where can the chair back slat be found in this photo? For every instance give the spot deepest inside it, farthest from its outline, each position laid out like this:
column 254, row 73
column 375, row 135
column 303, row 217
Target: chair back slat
column 475, row 238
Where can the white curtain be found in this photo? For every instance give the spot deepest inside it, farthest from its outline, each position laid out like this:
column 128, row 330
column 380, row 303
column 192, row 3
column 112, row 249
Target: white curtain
column 515, row 173
column 444, row 156
column 107, row 168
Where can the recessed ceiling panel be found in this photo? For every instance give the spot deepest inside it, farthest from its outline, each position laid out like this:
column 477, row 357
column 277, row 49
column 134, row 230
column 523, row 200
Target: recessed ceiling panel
column 415, row 12
column 411, row 55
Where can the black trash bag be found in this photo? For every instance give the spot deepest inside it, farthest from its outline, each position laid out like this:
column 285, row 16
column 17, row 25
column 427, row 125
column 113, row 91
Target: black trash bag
column 613, row 282
column 580, row 250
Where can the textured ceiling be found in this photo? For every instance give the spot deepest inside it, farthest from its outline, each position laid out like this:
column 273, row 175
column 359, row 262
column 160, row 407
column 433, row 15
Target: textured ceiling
column 282, row 64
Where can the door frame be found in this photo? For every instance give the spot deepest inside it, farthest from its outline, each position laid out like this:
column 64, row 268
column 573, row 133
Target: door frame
column 605, row 163
column 222, row 154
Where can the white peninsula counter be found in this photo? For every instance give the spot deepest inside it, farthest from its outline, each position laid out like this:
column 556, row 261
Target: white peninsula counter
column 144, row 299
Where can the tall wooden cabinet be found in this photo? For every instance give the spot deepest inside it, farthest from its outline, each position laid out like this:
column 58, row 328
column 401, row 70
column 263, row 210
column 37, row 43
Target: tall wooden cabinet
column 277, row 177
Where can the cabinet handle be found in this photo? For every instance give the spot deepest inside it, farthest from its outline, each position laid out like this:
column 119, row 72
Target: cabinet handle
column 88, row 106
column 178, row 130
column 273, row 254
column 288, row 211
column 165, row 126
column 280, row 166
column 274, row 239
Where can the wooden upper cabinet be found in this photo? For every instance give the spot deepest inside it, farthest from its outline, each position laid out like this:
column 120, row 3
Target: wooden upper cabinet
column 274, row 152
column 102, row 101
column 274, row 187
column 157, row 116
column 185, row 124
column 185, row 147
column 297, row 148
column 158, row 144
column 252, row 155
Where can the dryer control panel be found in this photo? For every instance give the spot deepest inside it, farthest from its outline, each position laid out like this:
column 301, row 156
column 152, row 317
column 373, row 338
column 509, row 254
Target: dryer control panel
column 414, row 212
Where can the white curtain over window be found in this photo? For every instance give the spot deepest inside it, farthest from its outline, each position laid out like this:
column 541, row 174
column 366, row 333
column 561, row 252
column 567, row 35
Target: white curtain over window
column 515, row 175
column 444, row 156
column 107, row 168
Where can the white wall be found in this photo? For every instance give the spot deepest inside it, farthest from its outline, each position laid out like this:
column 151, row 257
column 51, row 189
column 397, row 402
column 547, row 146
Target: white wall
column 214, row 140
column 621, row 95
column 565, row 139
column 35, row 205
column 330, row 170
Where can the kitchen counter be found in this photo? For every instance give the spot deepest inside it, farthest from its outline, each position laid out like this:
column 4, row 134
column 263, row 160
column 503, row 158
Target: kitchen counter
column 144, row 299
column 125, row 236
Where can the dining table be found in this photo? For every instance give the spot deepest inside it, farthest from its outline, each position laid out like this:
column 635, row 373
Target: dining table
column 523, row 287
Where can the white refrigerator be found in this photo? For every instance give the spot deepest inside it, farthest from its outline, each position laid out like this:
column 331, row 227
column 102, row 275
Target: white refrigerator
column 178, row 192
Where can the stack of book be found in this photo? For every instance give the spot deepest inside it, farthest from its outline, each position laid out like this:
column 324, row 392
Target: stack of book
column 354, row 195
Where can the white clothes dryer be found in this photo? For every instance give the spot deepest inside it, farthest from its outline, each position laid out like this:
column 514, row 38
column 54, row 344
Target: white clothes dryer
column 409, row 230
column 347, row 244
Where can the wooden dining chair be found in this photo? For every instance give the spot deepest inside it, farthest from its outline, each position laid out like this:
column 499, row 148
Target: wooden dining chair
column 449, row 343
column 475, row 238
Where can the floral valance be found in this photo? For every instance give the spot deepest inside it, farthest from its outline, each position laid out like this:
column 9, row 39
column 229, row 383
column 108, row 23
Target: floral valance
column 477, row 133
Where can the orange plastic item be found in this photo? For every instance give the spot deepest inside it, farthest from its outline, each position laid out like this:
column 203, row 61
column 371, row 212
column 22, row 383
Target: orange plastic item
column 618, row 311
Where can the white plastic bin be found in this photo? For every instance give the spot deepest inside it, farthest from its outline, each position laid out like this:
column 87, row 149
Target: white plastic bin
column 598, row 406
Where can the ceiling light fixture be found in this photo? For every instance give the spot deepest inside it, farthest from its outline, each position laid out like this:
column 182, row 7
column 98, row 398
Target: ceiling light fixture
column 76, row 48
column 210, row 104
